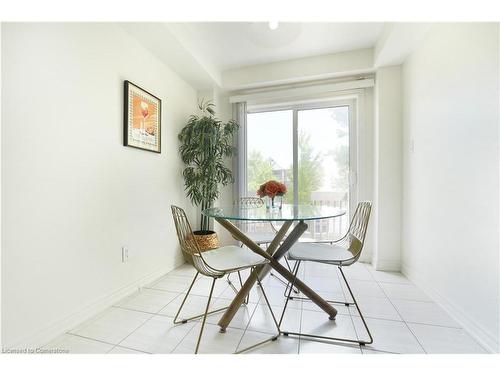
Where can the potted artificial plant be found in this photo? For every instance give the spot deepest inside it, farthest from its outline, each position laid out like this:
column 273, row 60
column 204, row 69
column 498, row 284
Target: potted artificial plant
column 206, row 143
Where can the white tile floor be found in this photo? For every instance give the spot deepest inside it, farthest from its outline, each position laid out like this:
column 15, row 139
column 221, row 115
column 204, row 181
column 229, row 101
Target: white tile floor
column 401, row 317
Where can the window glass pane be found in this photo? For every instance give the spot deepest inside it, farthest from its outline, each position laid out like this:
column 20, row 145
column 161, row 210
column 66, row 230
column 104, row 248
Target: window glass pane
column 323, row 165
column 270, row 149
column 269, row 157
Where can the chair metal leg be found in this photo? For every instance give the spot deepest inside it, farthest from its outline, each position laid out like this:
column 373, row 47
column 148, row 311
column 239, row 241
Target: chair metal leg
column 273, row 338
column 287, row 284
column 183, row 301
column 184, row 321
column 231, row 284
column 295, row 290
column 345, row 303
column 287, row 264
column 247, row 299
column 205, row 316
column 245, row 302
column 357, row 308
column 295, row 271
column 268, row 305
column 360, row 342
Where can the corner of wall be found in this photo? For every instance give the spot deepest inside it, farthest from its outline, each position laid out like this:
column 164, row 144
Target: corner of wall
column 387, row 169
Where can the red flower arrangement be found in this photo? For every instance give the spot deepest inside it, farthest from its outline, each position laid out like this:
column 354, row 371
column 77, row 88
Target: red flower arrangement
column 271, row 189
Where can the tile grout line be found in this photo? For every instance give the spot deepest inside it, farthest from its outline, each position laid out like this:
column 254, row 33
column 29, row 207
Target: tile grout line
column 301, row 313
column 419, row 323
column 401, row 321
column 198, row 320
column 350, row 314
column 406, row 300
column 184, row 291
column 114, row 306
column 89, row 338
column 349, row 310
column 189, row 330
column 194, row 325
column 385, row 281
column 183, row 337
column 249, row 321
column 147, row 320
column 153, row 315
column 378, row 351
column 404, row 321
column 257, row 304
column 141, row 311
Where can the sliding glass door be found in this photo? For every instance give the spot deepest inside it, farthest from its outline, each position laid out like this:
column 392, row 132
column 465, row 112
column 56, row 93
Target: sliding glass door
column 311, row 150
column 323, row 165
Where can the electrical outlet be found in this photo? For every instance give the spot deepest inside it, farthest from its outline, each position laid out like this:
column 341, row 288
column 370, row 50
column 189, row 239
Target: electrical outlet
column 125, row 254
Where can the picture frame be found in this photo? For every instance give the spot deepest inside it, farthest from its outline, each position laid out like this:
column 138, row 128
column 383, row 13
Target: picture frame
column 141, row 119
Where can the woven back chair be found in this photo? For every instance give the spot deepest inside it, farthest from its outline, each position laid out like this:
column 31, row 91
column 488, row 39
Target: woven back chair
column 341, row 253
column 255, row 202
column 189, row 245
column 251, row 202
column 214, row 263
column 355, row 236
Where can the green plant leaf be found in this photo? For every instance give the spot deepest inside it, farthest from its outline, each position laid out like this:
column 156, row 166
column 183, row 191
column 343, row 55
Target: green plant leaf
column 206, row 143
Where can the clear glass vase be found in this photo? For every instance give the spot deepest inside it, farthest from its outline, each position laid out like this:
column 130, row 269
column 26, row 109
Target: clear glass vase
column 274, row 203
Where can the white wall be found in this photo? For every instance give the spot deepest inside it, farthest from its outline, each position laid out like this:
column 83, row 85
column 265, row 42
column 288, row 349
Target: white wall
column 365, row 149
column 387, row 169
column 72, row 194
column 299, row 70
column 451, row 180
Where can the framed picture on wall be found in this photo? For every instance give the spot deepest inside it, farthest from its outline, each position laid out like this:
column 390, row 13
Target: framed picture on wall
column 142, row 119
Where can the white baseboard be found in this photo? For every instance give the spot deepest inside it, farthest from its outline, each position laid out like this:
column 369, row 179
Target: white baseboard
column 480, row 333
column 366, row 257
column 387, row 265
column 47, row 334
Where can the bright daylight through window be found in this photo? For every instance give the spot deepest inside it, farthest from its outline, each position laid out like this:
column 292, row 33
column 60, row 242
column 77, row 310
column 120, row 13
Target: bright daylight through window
column 322, row 173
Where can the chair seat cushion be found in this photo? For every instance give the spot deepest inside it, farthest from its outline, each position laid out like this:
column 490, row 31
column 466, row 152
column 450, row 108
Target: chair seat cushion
column 261, row 237
column 232, row 258
column 320, row 252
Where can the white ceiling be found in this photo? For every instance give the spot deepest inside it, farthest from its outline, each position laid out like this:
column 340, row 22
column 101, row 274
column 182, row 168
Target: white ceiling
column 230, row 45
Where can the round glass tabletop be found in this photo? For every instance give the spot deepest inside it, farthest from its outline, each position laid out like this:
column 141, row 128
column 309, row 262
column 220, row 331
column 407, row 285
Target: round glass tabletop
column 287, row 213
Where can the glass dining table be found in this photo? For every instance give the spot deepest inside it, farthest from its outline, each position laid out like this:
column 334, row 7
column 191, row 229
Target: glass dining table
column 282, row 242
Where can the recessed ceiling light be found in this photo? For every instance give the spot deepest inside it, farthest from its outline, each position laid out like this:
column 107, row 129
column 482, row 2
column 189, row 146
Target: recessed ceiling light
column 273, row 25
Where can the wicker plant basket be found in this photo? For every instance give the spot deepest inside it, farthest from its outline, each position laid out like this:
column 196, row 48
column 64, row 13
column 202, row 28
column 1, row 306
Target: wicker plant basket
column 206, row 241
